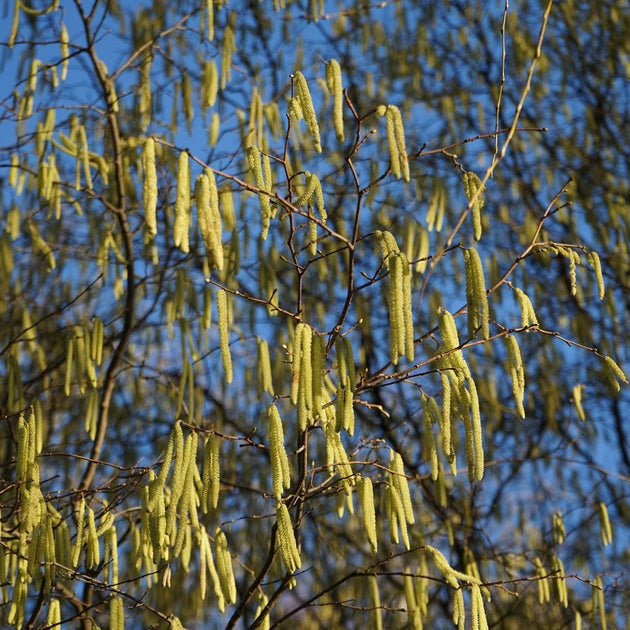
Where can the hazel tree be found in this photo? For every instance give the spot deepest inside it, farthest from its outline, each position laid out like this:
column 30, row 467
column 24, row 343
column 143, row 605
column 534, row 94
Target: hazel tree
column 313, row 314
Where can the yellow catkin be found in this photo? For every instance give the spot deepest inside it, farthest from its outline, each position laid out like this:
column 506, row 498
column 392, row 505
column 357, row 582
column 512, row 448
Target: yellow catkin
column 376, row 603
column 277, row 453
column 429, row 438
column 474, row 193
column 605, row 528
column 401, row 484
column 215, row 127
column 157, row 520
column 448, row 330
column 69, row 364
column 222, row 315
column 209, row 84
column 150, row 188
column 14, row 23
column 209, row 16
column 93, row 554
column 214, row 465
column 577, row 401
column 182, row 204
column 116, row 613
column 444, row 418
column 366, row 498
column 333, row 80
column 543, row 584
column 63, row 42
column 561, row 586
column 478, row 612
column 97, row 339
column 413, row 612
column 85, row 157
column 599, row 601
column 224, row 567
column 399, row 133
column 263, row 368
column 182, row 535
column 78, row 542
column 478, row 310
column 477, row 432
column 594, row 261
column 286, row 539
column 396, row 515
column 177, row 480
column 517, row 372
column 614, row 373
column 295, row 109
column 305, row 387
column 207, row 552
column 528, row 316
column 296, row 363
column 409, row 342
column 396, row 309
column 253, row 161
column 443, row 566
column 42, row 246
column 304, row 98
column 262, row 623
column 210, row 225
column 309, row 190
column 394, row 155
column 54, row 613
column 227, row 50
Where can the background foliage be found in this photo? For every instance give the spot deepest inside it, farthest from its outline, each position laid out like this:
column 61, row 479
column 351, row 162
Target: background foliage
column 109, row 509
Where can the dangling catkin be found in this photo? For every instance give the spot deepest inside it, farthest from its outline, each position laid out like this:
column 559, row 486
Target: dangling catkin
column 280, row 471
column 396, row 309
column 476, row 429
column 474, row 193
column 222, row 315
column 304, row 97
column 96, row 348
column 318, row 356
column 207, row 200
column 528, row 316
column 209, row 16
column 296, row 363
column 263, row 367
column 224, row 567
column 54, row 613
column 182, row 204
column 253, row 161
column 333, row 80
column 517, row 373
column 430, row 418
column 211, row 473
column 605, row 528
column 286, row 539
column 614, row 373
column 394, row 154
column 309, row 190
column 399, row 133
column 478, row 310
column 376, row 603
column 209, row 84
column 93, row 554
column 305, row 394
column 366, row 498
column 150, row 188
column 400, row 482
column 594, row 261
column 413, row 614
